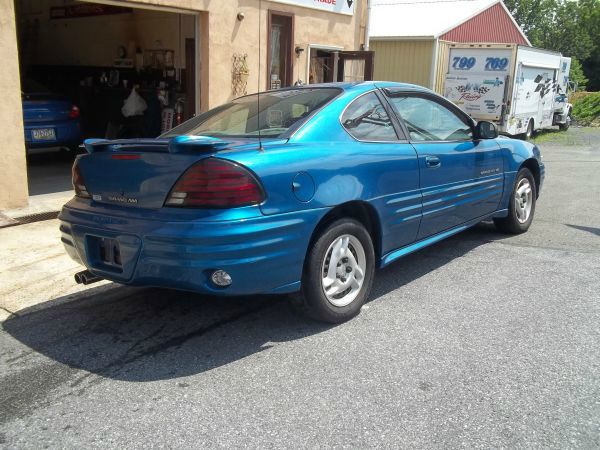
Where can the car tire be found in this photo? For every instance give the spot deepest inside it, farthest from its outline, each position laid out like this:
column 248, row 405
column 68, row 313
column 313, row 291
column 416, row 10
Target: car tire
column 336, row 294
column 521, row 206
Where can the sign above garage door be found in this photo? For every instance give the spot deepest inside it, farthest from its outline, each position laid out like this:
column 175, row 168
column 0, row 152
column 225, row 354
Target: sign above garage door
column 334, row 6
column 85, row 10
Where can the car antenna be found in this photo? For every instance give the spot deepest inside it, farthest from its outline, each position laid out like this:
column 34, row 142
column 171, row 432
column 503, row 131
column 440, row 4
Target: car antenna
column 260, row 147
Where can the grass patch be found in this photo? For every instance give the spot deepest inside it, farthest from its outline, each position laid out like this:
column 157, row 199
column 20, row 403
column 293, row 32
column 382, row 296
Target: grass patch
column 586, row 108
column 574, row 136
column 553, row 136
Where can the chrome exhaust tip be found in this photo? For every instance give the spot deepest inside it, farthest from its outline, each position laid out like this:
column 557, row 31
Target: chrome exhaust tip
column 86, row 277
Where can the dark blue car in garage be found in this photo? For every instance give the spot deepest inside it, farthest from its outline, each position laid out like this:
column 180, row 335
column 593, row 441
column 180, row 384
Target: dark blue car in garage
column 50, row 120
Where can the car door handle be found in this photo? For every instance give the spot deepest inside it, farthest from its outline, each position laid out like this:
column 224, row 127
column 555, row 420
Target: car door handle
column 432, row 162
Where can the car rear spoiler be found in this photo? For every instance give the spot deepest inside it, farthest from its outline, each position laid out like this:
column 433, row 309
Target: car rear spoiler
column 178, row 144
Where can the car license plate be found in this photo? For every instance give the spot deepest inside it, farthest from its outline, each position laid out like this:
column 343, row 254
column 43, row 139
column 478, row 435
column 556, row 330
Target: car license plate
column 43, row 134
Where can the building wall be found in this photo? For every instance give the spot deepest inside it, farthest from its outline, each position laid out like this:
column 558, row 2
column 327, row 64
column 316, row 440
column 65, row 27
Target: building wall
column 407, row 61
column 13, row 182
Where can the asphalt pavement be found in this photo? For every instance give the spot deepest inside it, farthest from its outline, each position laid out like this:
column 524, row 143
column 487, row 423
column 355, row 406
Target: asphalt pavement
column 483, row 340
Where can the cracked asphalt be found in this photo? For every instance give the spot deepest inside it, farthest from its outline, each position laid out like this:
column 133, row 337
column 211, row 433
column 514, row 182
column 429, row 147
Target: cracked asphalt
column 484, row 340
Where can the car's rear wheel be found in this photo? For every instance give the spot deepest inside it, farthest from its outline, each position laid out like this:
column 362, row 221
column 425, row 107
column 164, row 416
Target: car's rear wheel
column 338, row 273
column 522, row 205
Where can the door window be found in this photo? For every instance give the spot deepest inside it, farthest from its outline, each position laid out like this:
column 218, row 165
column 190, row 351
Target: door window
column 427, row 120
column 367, row 120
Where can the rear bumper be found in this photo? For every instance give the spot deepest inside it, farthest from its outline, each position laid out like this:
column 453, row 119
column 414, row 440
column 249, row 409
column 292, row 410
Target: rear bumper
column 67, row 133
column 264, row 254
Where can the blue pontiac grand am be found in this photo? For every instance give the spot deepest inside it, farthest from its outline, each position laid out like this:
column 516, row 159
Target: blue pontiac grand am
column 304, row 190
column 50, row 120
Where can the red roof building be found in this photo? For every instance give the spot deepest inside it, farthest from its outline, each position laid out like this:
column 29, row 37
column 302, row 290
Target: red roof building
column 410, row 38
column 494, row 24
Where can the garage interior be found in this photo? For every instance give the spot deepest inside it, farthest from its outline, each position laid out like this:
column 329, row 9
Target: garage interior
column 93, row 55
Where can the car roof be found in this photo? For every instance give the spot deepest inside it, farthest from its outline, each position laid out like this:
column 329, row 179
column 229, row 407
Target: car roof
column 356, row 87
column 366, row 85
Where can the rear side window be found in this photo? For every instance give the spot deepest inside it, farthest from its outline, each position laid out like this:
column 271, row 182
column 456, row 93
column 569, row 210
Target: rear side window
column 427, row 120
column 367, row 120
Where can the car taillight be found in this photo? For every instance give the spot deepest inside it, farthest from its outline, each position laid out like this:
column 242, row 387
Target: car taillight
column 216, row 183
column 74, row 113
column 78, row 183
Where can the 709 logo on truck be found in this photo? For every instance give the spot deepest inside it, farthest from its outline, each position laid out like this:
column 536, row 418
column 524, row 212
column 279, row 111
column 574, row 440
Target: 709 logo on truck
column 470, row 62
column 496, row 63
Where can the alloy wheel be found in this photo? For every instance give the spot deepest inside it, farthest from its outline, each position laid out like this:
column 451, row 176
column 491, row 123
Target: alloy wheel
column 343, row 270
column 523, row 200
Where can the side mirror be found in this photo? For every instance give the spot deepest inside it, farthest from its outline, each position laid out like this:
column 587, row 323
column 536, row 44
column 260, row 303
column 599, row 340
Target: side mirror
column 486, row 130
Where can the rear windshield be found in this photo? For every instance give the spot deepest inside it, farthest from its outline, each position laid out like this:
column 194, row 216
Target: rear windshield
column 271, row 115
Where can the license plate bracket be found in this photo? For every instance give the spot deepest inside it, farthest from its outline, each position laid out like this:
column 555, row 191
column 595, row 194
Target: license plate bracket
column 110, row 252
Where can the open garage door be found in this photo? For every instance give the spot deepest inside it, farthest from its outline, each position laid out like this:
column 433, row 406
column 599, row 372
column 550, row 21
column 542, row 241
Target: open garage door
column 100, row 70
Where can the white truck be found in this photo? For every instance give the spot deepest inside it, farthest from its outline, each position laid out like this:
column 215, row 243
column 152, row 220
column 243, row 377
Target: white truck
column 521, row 89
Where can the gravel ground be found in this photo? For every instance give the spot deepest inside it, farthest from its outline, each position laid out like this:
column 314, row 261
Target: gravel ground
column 484, row 340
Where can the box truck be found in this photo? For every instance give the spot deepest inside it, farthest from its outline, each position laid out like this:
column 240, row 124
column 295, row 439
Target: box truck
column 522, row 89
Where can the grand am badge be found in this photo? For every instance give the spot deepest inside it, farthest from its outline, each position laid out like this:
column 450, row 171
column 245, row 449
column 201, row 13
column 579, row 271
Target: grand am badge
column 122, row 199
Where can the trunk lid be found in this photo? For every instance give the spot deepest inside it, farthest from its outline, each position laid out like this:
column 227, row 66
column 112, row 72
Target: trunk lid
column 43, row 109
column 139, row 173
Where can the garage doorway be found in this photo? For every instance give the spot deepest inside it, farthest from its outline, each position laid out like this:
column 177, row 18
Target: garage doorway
column 100, row 70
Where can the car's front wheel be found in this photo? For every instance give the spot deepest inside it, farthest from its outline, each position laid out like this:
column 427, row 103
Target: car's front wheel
column 338, row 273
column 521, row 206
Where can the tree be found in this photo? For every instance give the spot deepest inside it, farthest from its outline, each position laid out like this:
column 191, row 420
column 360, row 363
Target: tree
column 577, row 75
column 591, row 22
column 567, row 26
column 531, row 15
